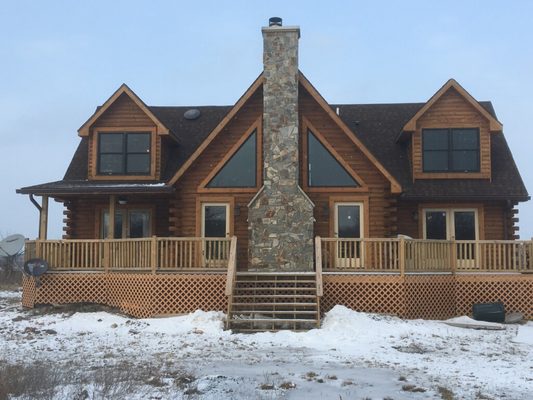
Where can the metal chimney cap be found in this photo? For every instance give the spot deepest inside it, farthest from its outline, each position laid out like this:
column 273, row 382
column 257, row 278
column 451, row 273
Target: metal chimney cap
column 275, row 21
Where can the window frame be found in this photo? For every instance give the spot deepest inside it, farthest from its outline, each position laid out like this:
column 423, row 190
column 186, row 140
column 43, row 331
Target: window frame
column 254, row 134
column 307, row 125
column 450, row 150
column 125, row 212
column 124, row 134
column 256, row 126
column 450, row 220
column 93, row 153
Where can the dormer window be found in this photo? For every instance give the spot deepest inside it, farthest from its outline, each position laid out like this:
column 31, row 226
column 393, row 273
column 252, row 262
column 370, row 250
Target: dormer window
column 451, row 150
column 124, row 153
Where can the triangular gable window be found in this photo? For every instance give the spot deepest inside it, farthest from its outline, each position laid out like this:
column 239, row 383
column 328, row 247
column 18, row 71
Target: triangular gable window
column 323, row 169
column 240, row 170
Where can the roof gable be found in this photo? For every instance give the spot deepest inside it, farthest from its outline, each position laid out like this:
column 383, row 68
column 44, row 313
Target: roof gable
column 410, row 126
column 395, row 185
column 122, row 90
column 219, row 128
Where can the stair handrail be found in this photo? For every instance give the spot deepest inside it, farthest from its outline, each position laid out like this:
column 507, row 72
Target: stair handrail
column 318, row 266
column 232, row 266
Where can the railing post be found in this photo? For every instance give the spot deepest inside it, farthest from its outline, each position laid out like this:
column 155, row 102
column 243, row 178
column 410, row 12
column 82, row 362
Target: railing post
column 107, row 255
column 232, row 266
column 453, row 256
column 318, row 266
column 531, row 255
column 153, row 254
column 38, row 249
column 401, row 255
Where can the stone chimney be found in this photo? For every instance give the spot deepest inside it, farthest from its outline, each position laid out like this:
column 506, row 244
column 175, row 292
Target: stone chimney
column 280, row 217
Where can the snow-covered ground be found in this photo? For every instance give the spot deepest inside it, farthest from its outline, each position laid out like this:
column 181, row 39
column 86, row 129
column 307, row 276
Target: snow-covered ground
column 353, row 356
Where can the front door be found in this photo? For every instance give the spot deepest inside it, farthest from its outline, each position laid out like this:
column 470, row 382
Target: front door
column 215, row 224
column 454, row 224
column 348, row 225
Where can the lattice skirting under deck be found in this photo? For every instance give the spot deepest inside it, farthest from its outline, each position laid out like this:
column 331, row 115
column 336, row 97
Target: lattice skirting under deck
column 139, row 295
column 412, row 296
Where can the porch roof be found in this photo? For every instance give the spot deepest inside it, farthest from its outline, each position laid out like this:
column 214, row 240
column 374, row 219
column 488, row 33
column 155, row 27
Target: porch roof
column 96, row 187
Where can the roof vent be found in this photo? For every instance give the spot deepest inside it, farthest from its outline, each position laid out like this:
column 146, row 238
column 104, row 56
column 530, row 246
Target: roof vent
column 275, row 21
column 192, row 114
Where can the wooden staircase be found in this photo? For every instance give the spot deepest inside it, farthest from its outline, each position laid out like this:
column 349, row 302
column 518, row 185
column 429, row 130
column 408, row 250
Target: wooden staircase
column 265, row 301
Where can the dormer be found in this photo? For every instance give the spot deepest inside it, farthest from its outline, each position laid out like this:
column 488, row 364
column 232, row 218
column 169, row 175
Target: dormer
column 125, row 139
column 451, row 136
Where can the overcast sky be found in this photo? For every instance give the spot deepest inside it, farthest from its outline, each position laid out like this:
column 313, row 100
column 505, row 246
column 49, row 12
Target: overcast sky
column 60, row 59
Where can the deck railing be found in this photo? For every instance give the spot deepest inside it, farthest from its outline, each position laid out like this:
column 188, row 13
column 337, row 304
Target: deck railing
column 156, row 254
column 400, row 255
column 395, row 255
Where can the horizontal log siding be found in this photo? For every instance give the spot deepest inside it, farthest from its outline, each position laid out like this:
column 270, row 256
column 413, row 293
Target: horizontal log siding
column 495, row 221
column 380, row 221
column 185, row 221
column 407, row 225
column 84, row 222
column 452, row 111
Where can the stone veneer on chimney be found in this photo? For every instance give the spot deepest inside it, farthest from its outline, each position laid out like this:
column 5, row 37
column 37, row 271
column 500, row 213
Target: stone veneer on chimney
column 280, row 217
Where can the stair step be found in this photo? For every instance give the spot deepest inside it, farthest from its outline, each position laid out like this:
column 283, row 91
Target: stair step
column 276, row 304
column 275, row 296
column 271, row 320
column 263, row 289
column 254, row 330
column 284, row 280
column 287, row 312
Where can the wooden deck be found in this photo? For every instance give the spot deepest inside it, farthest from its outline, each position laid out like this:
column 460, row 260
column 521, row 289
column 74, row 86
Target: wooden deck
column 408, row 278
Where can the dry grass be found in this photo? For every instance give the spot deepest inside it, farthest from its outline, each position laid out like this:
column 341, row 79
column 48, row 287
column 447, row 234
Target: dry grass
column 78, row 382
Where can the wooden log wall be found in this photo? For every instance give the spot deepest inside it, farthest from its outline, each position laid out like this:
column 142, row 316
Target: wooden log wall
column 84, row 215
column 184, row 214
column 381, row 204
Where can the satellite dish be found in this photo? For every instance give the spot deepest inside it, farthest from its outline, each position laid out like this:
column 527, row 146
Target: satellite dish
column 192, row 114
column 35, row 267
column 11, row 245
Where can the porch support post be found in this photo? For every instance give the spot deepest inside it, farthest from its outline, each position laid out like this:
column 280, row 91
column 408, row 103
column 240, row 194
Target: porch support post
column 111, row 226
column 43, row 219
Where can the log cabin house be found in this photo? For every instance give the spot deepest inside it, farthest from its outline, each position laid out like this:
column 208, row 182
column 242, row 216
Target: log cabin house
column 283, row 205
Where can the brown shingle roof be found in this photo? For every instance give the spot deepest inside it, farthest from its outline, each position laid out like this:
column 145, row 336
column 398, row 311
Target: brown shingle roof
column 376, row 125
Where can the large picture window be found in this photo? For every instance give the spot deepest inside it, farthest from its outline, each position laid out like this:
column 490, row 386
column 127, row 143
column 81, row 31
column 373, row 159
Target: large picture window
column 124, row 153
column 450, row 150
column 240, row 170
column 323, row 170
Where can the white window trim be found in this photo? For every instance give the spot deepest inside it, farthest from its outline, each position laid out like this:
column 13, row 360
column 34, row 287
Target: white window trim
column 450, row 221
column 126, row 221
column 227, row 205
column 361, row 216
